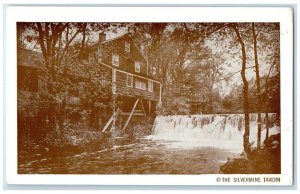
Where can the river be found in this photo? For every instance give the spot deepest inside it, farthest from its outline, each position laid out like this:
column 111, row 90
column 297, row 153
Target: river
column 143, row 157
column 197, row 144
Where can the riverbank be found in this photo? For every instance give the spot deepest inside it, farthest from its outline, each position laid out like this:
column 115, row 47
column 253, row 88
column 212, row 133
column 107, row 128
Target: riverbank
column 77, row 139
column 266, row 160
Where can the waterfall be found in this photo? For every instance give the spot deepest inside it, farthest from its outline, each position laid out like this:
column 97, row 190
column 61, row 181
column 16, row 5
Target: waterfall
column 221, row 131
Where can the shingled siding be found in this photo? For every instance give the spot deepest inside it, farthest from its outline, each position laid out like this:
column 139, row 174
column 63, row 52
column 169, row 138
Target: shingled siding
column 126, row 59
column 122, row 89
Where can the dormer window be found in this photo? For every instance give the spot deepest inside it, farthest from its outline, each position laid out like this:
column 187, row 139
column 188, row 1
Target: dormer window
column 137, row 67
column 115, row 60
column 127, row 46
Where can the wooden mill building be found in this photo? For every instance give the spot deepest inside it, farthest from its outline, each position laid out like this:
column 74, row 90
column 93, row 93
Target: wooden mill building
column 136, row 92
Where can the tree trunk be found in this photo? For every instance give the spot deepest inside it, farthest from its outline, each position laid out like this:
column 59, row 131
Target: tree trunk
column 247, row 147
column 266, row 107
column 258, row 95
column 267, row 127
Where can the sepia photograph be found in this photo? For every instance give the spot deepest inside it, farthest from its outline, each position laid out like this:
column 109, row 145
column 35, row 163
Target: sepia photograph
column 148, row 98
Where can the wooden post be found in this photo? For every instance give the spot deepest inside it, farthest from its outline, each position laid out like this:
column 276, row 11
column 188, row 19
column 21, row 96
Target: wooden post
column 143, row 108
column 149, row 109
column 160, row 90
column 129, row 117
column 114, row 98
column 110, row 120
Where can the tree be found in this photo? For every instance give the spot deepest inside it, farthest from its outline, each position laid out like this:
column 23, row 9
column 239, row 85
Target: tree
column 258, row 93
column 246, row 143
column 165, row 51
column 266, row 42
column 175, row 102
column 202, row 75
column 63, row 47
column 170, row 48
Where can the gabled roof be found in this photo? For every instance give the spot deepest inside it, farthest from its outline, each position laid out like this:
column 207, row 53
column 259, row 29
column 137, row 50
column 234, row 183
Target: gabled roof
column 29, row 58
column 112, row 40
column 115, row 38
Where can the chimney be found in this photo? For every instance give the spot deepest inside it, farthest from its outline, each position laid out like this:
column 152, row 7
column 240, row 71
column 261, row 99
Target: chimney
column 102, row 37
column 131, row 29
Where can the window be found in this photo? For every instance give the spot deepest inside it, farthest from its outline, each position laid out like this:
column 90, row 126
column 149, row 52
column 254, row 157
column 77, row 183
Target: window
column 115, row 60
column 129, row 80
column 137, row 67
column 150, row 86
column 127, row 47
column 140, row 85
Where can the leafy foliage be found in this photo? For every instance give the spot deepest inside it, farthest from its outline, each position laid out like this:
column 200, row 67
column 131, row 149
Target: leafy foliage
column 175, row 103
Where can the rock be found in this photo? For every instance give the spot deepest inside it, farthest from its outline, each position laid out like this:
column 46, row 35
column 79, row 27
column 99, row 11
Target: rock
column 243, row 154
column 235, row 166
column 271, row 139
column 275, row 144
column 261, row 161
column 47, row 149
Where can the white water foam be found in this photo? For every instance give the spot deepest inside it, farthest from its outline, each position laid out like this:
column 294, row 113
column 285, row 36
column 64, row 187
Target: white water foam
column 221, row 131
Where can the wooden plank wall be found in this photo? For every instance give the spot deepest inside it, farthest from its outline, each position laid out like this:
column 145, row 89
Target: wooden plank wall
column 122, row 89
column 126, row 59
